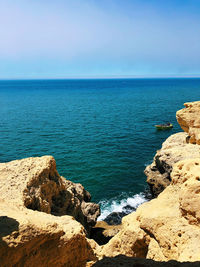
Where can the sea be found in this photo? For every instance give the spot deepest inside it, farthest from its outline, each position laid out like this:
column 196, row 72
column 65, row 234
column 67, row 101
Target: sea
column 100, row 131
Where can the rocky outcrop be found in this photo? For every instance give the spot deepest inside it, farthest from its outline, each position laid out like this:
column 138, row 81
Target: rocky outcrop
column 31, row 238
column 34, row 227
column 174, row 149
column 34, row 183
column 167, row 227
column 189, row 120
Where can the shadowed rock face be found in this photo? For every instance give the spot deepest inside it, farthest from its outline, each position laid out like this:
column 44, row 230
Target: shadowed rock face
column 174, row 149
column 123, row 261
column 34, row 183
column 189, row 120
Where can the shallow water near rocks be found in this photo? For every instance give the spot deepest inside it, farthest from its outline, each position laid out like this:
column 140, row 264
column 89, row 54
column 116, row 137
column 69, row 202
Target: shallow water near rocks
column 101, row 132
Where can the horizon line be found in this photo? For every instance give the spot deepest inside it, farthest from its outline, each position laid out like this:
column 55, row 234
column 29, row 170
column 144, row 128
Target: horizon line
column 104, row 77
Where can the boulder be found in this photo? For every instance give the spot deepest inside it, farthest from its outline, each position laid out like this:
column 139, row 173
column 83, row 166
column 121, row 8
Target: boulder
column 38, row 209
column 189, row 120
column 174, row 149
column 165, row 228
column 31, row 238
column 34, row 183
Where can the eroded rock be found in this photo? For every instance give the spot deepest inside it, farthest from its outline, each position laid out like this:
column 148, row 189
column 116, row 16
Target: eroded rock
column 34, row 183
column 167, row 227
column 35, row 226
column 189, row 120
column 174, row 149
column 31, row 238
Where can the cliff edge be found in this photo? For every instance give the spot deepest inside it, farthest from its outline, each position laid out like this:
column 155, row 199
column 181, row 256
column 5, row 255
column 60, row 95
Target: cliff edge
column 165, row 228
column 189, row 120
column 180, row 146
column 38, row 209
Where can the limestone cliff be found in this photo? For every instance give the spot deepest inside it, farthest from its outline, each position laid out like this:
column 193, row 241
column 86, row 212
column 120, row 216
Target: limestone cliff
column 34, row 227
column 31, row 238
column 189, row 120
column 174, row 149
column 34, row 183
column 177, row 147
column 167, row 227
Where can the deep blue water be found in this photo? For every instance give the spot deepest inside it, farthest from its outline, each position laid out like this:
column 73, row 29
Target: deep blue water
column 101, row 132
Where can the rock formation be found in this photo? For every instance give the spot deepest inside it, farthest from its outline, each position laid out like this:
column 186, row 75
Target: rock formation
column 31, row 194
column 167, row 227
column 174, row 149
column 32, row 238
column 34, row 183
column 189, row 120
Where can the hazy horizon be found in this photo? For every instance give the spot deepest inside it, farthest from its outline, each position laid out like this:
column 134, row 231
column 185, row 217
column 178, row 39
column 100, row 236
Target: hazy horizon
column 99, row 39
column 101, row 78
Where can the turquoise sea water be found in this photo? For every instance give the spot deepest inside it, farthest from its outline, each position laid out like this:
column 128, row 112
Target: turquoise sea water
column 101, row 132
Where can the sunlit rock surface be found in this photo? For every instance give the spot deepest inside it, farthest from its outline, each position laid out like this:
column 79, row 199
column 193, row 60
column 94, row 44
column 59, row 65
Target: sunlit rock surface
column 189, row 120
column 167, row 227
column 174, row 149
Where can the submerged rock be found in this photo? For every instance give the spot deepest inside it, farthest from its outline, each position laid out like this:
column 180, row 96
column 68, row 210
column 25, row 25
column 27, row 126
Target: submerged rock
column 115, row 218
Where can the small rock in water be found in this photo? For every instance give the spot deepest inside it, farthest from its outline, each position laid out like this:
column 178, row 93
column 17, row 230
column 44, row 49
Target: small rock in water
column 114, row 218
column 128, row 209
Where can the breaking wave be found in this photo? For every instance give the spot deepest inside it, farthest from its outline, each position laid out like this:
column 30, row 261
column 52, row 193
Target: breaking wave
column 125, row 206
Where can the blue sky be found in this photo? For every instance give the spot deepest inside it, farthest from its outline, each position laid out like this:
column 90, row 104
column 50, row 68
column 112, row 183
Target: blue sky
column 99, row 38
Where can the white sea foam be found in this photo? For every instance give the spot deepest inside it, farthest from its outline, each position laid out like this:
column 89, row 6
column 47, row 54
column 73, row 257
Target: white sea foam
column 110, row 206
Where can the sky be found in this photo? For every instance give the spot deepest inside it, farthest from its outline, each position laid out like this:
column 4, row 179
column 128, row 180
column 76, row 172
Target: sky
column 99, row 38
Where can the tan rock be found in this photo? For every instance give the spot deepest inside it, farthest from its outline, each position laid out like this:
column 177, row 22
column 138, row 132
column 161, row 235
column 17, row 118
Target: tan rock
column 31, row 194
column 35, row 183
column 167, row 227
column 189, row 120
column 30, row 238
column 174, row 149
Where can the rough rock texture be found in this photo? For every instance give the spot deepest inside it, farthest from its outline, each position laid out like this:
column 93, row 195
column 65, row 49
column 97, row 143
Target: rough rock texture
column 167, row 227
column 31, row 190
column 35, row 183
column 189, row 120
column 31, row 238
column 174, row 149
